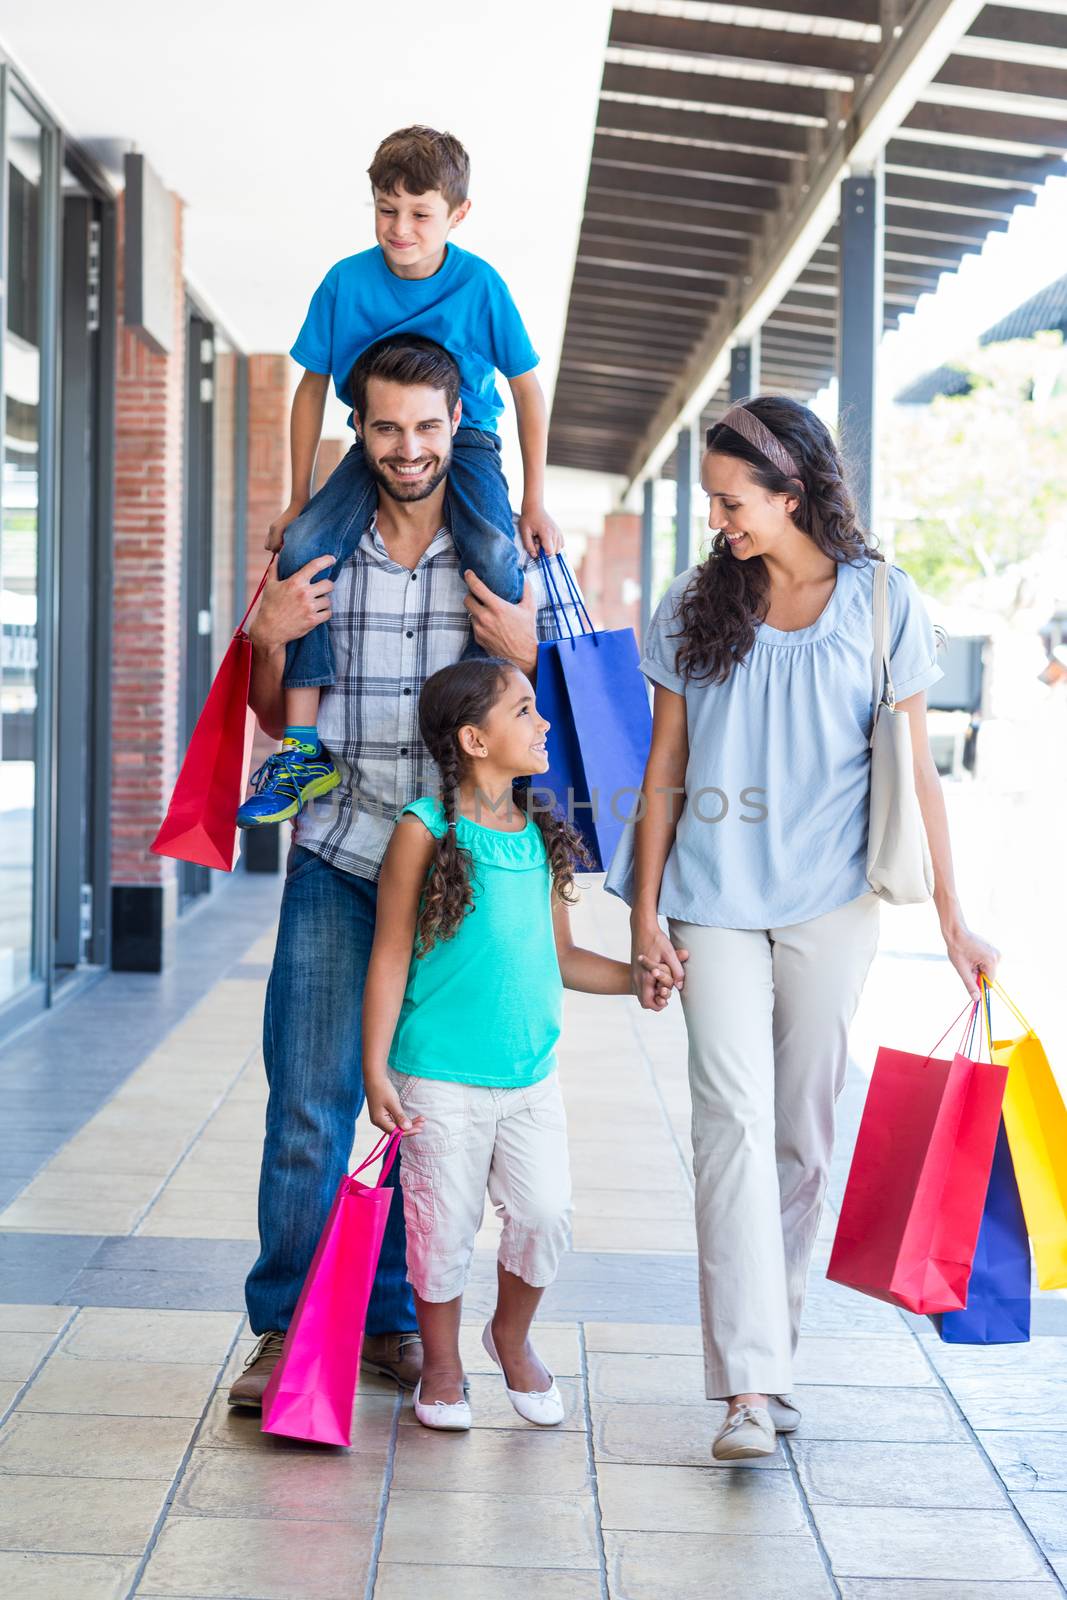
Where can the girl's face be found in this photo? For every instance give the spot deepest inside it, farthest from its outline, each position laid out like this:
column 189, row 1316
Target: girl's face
column 513, row 733
column 753, row 520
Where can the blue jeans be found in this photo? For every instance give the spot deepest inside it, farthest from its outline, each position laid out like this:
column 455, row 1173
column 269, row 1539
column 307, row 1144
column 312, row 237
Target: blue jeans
column 312, row 1047
column 479, row 518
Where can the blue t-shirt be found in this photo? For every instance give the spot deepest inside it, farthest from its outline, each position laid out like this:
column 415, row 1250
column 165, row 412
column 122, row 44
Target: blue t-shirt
column 466, row 306
column 774, row 827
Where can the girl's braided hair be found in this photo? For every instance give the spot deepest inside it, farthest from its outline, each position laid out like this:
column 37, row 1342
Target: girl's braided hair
column 727, row 598
column 452, row 699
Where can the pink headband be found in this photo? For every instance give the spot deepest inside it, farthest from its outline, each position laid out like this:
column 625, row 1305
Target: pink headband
column 760, row 437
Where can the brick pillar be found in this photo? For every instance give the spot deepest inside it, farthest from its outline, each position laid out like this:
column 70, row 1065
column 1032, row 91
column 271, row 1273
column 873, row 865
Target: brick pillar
column 590, row 575
column 269, row 399
column 331, row 453
column 147, row 647
column 620, row 563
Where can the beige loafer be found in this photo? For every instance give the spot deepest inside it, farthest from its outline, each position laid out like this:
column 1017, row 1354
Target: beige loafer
column 784, row 1414
column 747, row 1432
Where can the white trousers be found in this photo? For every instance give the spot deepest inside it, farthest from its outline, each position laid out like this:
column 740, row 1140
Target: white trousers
column 512, row 1142
column 768, row 1014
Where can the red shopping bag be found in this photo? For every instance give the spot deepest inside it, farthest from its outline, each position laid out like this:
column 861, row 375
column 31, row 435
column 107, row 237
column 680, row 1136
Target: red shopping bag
column 913, row 1202
column 312, row 1388
column 200, row 824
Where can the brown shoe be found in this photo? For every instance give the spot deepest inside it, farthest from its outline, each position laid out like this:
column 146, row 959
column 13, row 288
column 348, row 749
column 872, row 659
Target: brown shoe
column 247, row 1390
column 394, row 1355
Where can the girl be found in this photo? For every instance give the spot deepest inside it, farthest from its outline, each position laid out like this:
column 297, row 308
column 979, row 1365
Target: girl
column 461, row 1015
column 762, row 663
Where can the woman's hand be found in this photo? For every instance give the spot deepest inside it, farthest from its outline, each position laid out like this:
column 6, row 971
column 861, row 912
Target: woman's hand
column 970, row 956
column 386, row 1111
column 655, row 987
column 651, row 948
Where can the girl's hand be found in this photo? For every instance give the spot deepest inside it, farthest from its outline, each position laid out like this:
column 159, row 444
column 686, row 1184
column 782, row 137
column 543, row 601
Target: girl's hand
column 386, row 1112
column 970, row 956
column 655, row 988
column 652, row 948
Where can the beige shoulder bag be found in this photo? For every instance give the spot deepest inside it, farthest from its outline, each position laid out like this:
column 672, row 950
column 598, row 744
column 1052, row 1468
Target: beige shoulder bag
column 898, row 857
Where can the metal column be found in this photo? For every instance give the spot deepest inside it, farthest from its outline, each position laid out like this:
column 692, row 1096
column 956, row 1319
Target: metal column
column 685, row 458
column 744, row 371
column 647, row 507
column 860, row 319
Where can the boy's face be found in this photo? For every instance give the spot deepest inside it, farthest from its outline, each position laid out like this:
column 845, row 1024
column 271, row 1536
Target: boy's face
column 407, row 437
column 413, row 229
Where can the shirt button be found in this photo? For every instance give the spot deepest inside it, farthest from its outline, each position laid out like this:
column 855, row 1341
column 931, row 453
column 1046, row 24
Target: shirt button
column 410, row 634
column 414, row 575
column 407, row 691
column 403, row 750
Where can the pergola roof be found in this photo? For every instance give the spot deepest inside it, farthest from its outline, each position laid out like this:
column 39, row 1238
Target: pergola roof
column 713, row 124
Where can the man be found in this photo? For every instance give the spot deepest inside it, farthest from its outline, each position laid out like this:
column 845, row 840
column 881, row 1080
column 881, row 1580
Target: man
column 398, row 609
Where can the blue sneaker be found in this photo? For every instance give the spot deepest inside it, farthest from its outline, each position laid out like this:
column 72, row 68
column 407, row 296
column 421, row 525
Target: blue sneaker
column 286, row 782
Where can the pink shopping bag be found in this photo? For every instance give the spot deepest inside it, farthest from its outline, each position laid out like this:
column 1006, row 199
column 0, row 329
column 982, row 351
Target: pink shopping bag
column 312, row 1388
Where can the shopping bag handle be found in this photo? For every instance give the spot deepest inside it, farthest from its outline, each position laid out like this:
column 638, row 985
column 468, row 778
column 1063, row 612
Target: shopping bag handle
column 992, row 984
column 970, row 1011
column 559, row 608
column 251, row 604
column 390, row 1144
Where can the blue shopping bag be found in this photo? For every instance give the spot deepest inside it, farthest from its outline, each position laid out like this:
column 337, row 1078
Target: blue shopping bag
column 590, row 688
column 998, row 1295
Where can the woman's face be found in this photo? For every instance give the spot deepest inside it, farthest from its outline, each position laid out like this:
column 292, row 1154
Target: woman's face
column 753, row 521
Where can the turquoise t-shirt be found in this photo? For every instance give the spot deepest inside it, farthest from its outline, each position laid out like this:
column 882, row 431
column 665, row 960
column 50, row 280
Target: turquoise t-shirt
column 466, row 306
column 777, row 785
column 485, row 1007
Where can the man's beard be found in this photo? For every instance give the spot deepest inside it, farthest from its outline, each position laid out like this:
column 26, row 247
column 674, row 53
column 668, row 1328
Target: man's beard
column 396, row 489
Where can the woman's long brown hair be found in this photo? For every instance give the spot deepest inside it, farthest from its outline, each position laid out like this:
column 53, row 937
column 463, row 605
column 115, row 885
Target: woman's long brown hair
column 454, row 698
column 727, row 598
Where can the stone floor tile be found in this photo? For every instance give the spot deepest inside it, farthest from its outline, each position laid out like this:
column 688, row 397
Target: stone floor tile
column 892, row 1542
column 20, row 1353
column 231, row 1558
column 694, row 1500
column 335, row 1486
column 907, row 1416
column 643, row 1338
column 79, row 1516
column 215, row 1214
column 598, row 1162
column 677, row 1436
column 829, row 1309
column 1040, row 1357
column 8, row 1391
column 632, row 1233
column 1028, row 1461
column 557, row 1345
column 1045, row 1514
column 152, row 1155
column 534, row 1461
column 680, row 1566
column 121, row 1388
column 94, row 1447
column 28, row 1215
column 35, row 1576
column 402, row 1582
column 665, row 1204
column 865, row 1363
column 493, row 1409
column 647, row 1379
column 863, row 1473
column 33, row 1319
column 905, row 1589
column 1010, row 1402
column 227, row 1427
column 514, row 1530
column 102, row 1333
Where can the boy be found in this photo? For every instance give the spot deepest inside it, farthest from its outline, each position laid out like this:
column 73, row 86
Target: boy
column 412, row 281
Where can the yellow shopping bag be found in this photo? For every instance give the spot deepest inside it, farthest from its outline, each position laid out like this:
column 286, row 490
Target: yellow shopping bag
column 1036, row 1122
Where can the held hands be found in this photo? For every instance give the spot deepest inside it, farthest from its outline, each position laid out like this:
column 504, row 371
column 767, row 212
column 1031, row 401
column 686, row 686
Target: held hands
column 276, row 532
column 654, row 987
column 970, row 956
column 538, row 532
column 656, row 967
column 385, row 1110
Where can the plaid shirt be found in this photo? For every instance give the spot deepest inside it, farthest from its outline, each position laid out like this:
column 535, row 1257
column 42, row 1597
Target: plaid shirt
column 390, row 629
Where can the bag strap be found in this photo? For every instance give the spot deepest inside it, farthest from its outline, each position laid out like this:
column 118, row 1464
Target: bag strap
column 881, row 675
column 991, row 983
column 575, row 593
column 251, row 604
column 558, row 604
column 970, row 1011
column 390, row 1144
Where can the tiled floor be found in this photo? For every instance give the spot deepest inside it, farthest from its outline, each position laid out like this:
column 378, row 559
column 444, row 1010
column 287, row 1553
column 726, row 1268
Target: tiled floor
column 921, row 1470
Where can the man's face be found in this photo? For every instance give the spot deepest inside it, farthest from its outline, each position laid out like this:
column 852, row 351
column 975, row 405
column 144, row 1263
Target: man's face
column 407, row 437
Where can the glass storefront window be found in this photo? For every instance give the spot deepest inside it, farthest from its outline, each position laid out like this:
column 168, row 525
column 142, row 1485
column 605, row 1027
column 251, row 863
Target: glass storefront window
column 223, row 497
column 19, row 549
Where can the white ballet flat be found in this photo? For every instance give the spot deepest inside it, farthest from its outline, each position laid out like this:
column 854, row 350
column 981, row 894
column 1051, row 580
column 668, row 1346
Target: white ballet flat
column 541, row 1406
column 454, row 1417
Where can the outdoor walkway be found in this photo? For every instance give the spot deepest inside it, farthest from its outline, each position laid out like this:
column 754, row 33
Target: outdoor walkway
column 131, row 1132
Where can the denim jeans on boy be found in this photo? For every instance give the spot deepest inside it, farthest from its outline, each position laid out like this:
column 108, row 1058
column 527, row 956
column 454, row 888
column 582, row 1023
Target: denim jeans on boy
column 479, row 518
column 313, row 1055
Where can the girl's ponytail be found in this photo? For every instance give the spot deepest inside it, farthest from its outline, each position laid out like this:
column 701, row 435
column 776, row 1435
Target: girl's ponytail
column 448, row 895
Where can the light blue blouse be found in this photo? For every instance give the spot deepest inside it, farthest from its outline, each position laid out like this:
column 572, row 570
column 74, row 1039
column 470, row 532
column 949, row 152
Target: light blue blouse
column 774, row 827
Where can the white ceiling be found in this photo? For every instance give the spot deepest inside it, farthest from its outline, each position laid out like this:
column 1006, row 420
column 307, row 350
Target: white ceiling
column 264, row 117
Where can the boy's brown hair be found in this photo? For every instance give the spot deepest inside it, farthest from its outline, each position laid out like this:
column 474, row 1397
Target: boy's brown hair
column 419, row 159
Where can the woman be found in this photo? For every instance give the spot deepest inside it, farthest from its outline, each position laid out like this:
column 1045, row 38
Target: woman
column 761, row 659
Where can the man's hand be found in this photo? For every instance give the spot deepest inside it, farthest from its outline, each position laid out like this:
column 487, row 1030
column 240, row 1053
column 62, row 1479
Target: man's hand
column 291, row 607
column 501, row 628
column 276, row 532
column 538, row 532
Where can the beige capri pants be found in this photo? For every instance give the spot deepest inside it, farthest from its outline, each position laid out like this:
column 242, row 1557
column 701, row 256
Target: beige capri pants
column 512, row 1142
column 768, row 1014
